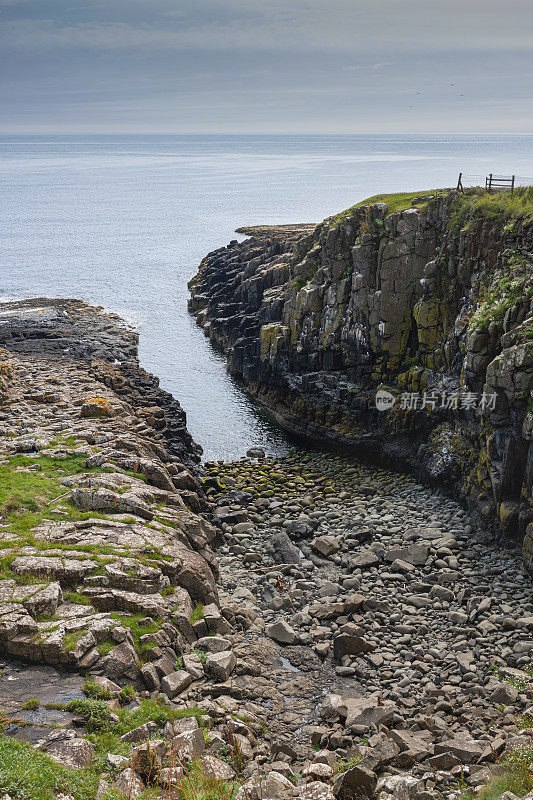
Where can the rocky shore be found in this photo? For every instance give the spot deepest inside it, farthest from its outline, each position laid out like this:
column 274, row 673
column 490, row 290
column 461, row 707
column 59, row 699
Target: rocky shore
column 426, row 298
column 310, row 627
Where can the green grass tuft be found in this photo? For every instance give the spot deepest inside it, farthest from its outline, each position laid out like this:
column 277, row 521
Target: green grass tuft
column 133, row 622
column 27, row 774
column 197, row 614
column 93, row 690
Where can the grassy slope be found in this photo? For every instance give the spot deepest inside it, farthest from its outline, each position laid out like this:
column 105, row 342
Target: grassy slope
column 394, row 202
column 497, row 206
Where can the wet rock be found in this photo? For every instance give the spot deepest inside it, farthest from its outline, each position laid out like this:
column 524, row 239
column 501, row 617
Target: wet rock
column 256, row 452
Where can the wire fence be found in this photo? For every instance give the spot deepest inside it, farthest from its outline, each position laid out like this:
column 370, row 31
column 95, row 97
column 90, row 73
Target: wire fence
column 471, row 181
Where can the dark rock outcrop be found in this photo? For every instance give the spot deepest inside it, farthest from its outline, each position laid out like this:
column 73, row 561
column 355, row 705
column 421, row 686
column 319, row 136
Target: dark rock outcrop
column 75, row 330
column 432, row 305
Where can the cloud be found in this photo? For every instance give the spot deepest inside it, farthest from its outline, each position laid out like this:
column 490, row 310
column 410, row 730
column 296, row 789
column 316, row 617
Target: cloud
column 296, row 26
column 347, row 64
column 368, row 67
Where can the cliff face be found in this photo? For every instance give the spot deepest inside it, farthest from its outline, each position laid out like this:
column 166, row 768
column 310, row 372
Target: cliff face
column 432, row 303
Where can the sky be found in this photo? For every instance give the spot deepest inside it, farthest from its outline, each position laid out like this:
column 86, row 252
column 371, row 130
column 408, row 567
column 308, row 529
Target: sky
column 266, row 66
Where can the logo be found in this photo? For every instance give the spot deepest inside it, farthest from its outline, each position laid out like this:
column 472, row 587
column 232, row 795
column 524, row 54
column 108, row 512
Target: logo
column 384, row 400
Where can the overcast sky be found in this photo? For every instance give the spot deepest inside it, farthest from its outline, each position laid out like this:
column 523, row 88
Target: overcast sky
column 272, row 66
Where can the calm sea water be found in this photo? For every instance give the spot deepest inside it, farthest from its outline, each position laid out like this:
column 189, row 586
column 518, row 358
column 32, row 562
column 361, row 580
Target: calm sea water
column 123, row 221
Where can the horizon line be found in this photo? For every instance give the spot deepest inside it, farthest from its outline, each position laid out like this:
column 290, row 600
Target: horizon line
column 257, row 133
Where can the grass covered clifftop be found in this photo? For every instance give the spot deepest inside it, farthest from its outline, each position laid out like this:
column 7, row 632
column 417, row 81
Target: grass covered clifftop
column 498, row 207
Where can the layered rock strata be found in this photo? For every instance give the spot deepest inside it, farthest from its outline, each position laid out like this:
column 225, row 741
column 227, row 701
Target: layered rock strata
column 104, row 552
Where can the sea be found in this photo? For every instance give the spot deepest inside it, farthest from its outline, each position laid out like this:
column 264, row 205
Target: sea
column 123, row 222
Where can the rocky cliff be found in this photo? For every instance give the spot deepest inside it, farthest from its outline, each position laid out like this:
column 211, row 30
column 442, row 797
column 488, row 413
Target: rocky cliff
column 427, row 298
column 103, row 552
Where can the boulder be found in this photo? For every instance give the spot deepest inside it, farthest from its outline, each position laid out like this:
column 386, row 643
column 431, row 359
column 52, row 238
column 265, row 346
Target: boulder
column 214, row 644
column 121, row 661
column 92, row 499
column 281, row 632
column 171, row 776
column 214, row 620
column 299, row 529
column 345, row 644
column 356, row 783
column 415, row 554
column 368, row 711
column 468, row 751
column 150, row 676
column 284, row 551
column 412, row 748
column 217, row 769
column 72, row 752
column 220, row 665
column 364, row 559
column 316, row 790
column 318, row 771
column 175, row 683
column 193, row 665
column 116, row 762
column 272, row 786
column 139, row 734
column 401, row 787
column 188, row 746
column 326, row 545
column 128, row 784
column 43, row 599
column 147, row 759
column 97, row 407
